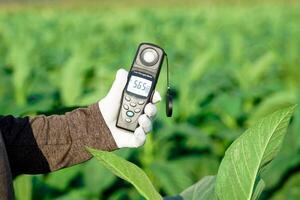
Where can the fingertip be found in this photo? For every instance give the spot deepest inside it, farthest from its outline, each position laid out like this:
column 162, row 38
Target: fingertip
column 156, row 97
column 122, row 75
column 145, row 123
column 139, row 137
column 121, row 72
column 150, row 110
column 121, row 78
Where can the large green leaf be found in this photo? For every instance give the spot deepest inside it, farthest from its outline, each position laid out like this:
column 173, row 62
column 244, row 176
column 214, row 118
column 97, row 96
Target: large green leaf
column 249, row 154
column 204, row 189
column 93, row 173
column 127, row 171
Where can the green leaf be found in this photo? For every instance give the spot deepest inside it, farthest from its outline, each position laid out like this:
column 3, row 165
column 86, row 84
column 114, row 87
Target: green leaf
column 204, row 189
column 172, row 172
column 76, row 194
column 290, row 190
column 92, row 173
column 273, row 102
column 23, row 187
column 127, row 171
column 258, row 189
column 249, row 154
column 118, row 194
column 287, row 159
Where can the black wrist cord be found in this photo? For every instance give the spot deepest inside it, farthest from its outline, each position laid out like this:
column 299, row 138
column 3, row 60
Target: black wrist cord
column 169, row 98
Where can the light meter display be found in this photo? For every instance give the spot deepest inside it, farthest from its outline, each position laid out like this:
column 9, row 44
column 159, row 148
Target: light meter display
column 139, row 86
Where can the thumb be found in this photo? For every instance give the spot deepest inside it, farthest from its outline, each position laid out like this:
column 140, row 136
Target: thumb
column 118, row 85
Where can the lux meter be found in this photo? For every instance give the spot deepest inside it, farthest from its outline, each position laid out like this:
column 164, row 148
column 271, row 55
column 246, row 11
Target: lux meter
column 140, row 85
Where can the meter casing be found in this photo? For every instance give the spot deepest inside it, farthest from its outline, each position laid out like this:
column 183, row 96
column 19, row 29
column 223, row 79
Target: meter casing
column 133, row 103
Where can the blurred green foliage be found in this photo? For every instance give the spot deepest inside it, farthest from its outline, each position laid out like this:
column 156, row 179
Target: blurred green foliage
column 230, row 65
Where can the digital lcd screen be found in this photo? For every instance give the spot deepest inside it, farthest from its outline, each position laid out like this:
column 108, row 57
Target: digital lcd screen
column 139, row 86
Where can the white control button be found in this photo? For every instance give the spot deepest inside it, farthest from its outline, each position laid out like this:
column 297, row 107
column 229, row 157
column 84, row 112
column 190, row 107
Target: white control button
column 137, row 110
column 141, row 102
column 129, row 113
column 133, row 104
column 127, row 98
column 128, row 120
column 126, row 107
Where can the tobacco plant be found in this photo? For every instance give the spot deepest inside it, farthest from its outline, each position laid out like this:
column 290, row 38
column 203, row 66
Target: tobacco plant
column 238, row 175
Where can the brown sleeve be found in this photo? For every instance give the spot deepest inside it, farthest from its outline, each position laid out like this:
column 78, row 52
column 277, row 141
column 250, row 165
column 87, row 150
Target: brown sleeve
column 6, row 191
column 62, row 138
column 58, row 141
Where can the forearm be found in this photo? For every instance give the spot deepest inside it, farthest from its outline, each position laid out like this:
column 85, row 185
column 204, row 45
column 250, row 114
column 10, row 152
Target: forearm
column 41, row 144
column 62, row 138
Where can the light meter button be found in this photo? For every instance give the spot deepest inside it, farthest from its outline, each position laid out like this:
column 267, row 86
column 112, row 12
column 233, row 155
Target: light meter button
column 149, row 57
column 137, row 110
column 127, row 98
column 129, row 113
column 133, row 104
column 141, row 102
column 126, row 107
column 128, row 120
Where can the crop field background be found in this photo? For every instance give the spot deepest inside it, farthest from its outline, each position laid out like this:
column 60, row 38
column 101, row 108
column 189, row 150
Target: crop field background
column 231, row 64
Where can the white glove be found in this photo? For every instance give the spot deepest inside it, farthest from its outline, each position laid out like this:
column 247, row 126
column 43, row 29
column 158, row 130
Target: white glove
column 109, row 107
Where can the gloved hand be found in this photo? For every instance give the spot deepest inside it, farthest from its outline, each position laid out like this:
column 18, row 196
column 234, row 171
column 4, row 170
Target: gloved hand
column 109, row 107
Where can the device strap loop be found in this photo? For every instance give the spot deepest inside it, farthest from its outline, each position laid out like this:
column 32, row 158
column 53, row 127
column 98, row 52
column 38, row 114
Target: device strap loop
column 169, row 97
